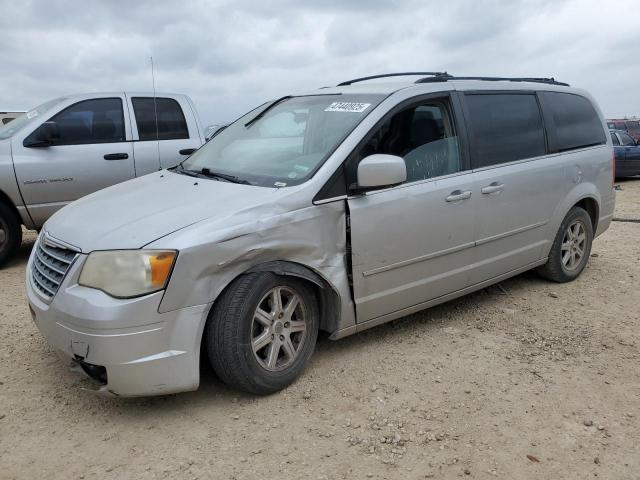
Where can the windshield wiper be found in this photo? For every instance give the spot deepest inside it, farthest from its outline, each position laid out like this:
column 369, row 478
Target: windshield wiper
column 207, row 173
column 180, row 169
column 229, row 178
column 276, row 102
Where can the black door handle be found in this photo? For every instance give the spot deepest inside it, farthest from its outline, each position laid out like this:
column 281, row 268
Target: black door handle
column 187, row 151
column 116, row 156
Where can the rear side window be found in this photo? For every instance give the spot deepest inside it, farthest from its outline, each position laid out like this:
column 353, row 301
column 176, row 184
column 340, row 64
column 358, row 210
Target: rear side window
column 100, row 120
column 577, row 124
column 171, row 123
column 505, row 127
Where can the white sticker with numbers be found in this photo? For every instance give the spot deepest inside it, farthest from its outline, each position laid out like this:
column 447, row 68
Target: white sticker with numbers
column 351, row 107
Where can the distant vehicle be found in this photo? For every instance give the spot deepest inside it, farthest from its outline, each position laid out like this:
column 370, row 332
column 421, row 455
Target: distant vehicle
column 72, row 146
column 627, row 152
column 632, row 127
column 335, row 210
column 6, row 116
column 213, row 130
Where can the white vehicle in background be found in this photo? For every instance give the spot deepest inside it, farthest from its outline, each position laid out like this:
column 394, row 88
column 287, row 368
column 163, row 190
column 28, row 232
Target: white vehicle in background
column 6, row 116
column 75, row 145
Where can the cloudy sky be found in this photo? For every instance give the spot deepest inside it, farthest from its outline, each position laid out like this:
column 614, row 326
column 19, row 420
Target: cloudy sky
column 232, row 55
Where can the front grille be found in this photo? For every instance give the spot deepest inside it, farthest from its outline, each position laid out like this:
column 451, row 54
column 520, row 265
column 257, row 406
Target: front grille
column 50, row 265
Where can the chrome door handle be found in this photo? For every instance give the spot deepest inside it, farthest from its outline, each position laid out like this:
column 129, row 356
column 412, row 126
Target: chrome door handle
column 458, row 195
column 493, row 188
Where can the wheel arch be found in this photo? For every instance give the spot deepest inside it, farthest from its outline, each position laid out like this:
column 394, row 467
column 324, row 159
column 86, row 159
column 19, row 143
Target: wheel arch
column 590, row 204
column 6, row 200
column 584, row 195
column 329, row 298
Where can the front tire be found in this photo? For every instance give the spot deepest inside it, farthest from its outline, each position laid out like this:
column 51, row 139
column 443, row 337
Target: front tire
column 262, row 332
column 571, row 248
column 10, row 233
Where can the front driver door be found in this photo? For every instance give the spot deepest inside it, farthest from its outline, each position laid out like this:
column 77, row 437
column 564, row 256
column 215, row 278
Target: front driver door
column 91, row 153
column 414, row 242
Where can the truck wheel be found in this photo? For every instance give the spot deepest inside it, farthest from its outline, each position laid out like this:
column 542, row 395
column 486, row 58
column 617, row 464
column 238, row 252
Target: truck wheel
column 262, row 332
column 571, row 248
column 10, row 233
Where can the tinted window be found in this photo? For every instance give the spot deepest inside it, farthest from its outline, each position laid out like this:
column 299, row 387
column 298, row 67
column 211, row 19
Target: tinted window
column 576, row 122
column 506, row 127
column 423, row 135
column 626, row 139
column 614, row 139
column 171, row 122
column 100, row 120
column 6, row 120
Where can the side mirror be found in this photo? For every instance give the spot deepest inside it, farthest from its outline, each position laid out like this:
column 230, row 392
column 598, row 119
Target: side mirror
column 381, row 170
column 44, row 136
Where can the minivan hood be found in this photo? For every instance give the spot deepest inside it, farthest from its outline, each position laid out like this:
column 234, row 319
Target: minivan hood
column 137, row 212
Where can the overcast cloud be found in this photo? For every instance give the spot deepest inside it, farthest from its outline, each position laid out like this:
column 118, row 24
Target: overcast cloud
column 231, row 56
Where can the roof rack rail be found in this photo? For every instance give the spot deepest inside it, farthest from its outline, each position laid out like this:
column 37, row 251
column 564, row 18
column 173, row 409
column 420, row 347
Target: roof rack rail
column 384, row 75
column 446, row 77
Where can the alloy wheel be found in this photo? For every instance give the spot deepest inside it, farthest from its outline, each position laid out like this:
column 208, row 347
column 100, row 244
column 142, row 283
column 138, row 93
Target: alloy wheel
column 574, row 243
column 278, row 328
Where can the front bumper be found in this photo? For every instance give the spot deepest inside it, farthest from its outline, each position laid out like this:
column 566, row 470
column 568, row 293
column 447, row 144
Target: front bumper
column 143, row 352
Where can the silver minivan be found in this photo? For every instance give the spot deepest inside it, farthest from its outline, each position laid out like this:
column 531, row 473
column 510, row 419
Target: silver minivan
column 335, row 210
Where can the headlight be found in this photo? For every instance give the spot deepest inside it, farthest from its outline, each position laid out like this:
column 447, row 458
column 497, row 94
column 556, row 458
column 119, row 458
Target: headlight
column 128, row 273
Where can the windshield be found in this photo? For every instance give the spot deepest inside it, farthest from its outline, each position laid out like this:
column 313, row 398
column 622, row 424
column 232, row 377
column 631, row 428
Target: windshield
column 284, row 142
column 10, row 128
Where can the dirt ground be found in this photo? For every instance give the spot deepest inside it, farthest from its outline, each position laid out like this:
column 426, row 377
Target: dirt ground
column 535, row 380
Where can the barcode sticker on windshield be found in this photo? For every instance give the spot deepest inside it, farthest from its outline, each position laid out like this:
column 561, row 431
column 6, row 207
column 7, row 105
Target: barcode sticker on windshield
column 352, row 107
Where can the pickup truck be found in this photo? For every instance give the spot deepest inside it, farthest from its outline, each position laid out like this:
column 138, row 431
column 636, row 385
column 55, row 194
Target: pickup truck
column 75, row 145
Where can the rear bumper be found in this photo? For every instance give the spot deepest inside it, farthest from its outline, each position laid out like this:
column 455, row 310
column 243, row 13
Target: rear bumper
column 142, row 351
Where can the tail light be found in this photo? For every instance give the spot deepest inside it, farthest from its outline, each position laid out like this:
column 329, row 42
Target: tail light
column 613, row 174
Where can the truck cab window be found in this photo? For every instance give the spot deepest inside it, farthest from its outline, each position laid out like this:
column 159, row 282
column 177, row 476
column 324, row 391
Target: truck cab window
column 171, row 124
column 99, row 120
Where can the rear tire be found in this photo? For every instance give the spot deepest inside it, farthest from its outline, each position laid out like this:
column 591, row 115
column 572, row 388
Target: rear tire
column 262, row 332
column 10, row 233
column 571, row 248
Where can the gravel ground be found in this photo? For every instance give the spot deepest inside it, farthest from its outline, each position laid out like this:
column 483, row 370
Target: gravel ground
column 534, row 380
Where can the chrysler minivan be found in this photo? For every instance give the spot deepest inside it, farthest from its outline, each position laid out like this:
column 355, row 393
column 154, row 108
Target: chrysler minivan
column 335, row 210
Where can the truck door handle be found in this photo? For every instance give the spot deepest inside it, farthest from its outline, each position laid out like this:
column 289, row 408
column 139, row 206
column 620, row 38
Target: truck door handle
column 493, row 188
column 187, row 151
column 116, row 156
column 458, row 195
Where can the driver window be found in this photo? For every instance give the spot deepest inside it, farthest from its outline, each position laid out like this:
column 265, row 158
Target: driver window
column 423, row 136
column 99, row 120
